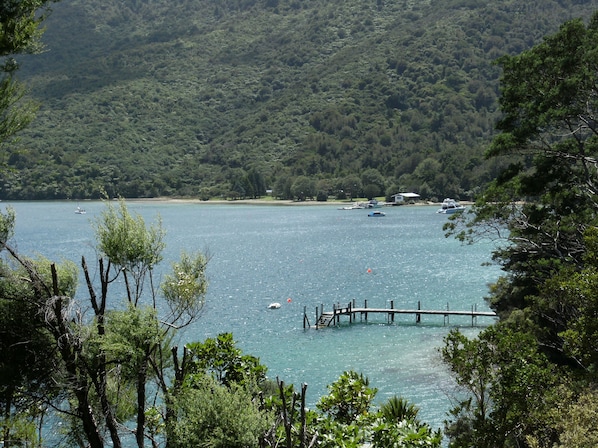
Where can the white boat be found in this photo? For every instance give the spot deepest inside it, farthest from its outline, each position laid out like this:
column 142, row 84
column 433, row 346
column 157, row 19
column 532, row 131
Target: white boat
column 274, row 306
column 356, row 206
column 450, row 206
column 373, row 203
column 376, row 213
column 80, row 211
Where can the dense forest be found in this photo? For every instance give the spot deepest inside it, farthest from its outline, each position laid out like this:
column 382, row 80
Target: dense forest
column 228, row 98
column 111, row 372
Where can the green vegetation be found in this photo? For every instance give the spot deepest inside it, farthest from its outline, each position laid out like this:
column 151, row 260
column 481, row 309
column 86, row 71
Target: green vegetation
column 20, row 32
column 94, row 370
column 225, row 99
column 112, row 373
column 530, row 381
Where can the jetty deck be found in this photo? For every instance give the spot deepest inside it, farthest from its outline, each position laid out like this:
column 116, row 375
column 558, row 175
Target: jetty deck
column 352, row 312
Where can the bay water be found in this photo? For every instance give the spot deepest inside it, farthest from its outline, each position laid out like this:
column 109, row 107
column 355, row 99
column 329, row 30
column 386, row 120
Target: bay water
column 303, row 257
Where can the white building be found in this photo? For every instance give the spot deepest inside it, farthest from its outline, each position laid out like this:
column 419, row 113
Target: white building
column 404, row 198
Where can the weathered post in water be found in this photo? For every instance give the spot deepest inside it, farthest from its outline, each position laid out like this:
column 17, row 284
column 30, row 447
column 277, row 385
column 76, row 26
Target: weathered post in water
column 317, row 318
column 306, row 319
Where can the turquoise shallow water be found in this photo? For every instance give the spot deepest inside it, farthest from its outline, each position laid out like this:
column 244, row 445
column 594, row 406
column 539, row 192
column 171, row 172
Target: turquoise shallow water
column 311, row 255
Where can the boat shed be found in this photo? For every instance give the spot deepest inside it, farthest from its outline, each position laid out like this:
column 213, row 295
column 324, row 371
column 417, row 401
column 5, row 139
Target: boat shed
column 405, row 198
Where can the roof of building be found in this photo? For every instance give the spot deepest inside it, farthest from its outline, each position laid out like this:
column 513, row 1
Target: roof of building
column 407, row 195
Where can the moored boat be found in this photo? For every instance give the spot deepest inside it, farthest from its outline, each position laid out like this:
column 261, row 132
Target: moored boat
column 450, row 206
column 356, row 206
column 373, row 203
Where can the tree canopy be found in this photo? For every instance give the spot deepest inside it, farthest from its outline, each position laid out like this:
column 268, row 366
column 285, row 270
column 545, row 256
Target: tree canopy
column 225, row 101
column 20, row 32
column 95, row 369
column 529, row 378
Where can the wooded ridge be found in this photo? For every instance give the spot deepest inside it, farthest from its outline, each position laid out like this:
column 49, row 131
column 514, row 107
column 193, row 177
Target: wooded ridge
column 225, row 98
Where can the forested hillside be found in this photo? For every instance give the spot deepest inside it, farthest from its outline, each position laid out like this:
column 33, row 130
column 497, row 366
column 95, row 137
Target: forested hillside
column 224, row 98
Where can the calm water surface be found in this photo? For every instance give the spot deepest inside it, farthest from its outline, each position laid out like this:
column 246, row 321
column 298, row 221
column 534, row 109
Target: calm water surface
column 303, row 257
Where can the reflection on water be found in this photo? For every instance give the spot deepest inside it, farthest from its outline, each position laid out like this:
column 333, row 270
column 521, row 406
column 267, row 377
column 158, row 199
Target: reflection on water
column 303, row 257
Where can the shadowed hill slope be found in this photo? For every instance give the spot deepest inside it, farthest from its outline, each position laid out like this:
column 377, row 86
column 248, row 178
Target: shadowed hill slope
column 217, row 98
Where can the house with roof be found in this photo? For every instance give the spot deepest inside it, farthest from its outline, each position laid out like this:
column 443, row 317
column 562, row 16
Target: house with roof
column 404, row 198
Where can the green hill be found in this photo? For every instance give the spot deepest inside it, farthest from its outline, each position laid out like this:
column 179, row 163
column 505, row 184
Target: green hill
column 213, row 98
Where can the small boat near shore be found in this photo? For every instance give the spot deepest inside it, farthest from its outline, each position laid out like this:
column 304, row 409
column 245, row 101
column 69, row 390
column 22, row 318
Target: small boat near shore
column 355, row 206
column 450, row 206
column 376, row 213
column 374, row 203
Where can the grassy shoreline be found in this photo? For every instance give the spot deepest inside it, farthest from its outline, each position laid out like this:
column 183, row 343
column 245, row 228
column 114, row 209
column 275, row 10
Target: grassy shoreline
column 267, row 201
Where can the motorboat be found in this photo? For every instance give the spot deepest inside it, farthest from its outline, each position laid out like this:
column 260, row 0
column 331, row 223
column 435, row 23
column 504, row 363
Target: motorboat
column 274, row 306
column 373, row 203
column 80, row 211
column 450, row 206
column 356, row 206
column 376, row 213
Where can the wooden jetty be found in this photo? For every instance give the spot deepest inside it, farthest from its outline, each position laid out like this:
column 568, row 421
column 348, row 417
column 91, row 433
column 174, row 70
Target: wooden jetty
column 332, row 318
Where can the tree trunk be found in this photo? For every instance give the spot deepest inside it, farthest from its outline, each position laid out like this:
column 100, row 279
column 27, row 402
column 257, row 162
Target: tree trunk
column 141, row 381
column 90, row 426
column 303, row 439
column 102, row 388
column 170, row 396
column 70, row 351
column 6, row 432
column 78, row 385
column 101, row 383
column 286, row 418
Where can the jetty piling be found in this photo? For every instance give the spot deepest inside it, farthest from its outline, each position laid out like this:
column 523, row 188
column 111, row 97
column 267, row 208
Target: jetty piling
column 333, row 318
column 306, row 319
